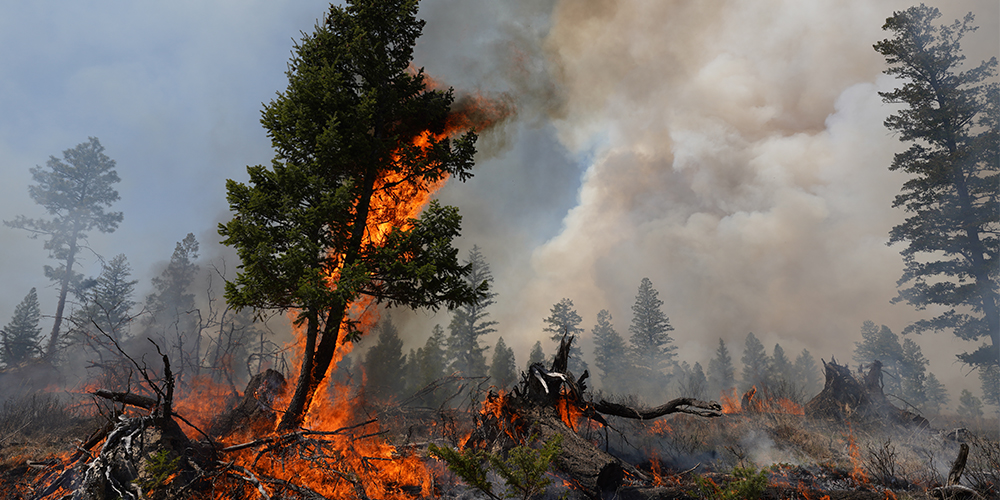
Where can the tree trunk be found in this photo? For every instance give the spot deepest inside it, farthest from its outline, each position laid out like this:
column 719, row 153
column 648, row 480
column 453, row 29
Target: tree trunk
column 303, row 387
column 50, row 350
column 319, row 357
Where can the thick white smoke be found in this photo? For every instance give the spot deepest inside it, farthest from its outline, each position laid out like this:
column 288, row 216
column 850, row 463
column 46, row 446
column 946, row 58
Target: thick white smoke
column 734, row 153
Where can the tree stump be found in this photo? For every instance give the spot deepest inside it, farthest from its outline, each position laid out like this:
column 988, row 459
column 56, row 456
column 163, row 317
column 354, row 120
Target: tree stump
column 846, row 397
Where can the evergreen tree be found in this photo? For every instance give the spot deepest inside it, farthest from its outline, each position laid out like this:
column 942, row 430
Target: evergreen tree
column 989, row 376
column 503, row 369
column 564, row 321
column 108, row 304
column 952, row 123
column 20, row 336
column 537, row 355
column 610, row 353
column 882, row 344
column 385, row 363
column 411, row 371
column 652, row 347
column 359, row 139
column 173, row 320
column 807, row 373
column 756, row 365
column 469, row 322
column 433, row 357
column 781, row 367
column 969, row 406
column 75, row 192
column 692, row 382
column 936, row 396
column 721, row 374
column 914, row 367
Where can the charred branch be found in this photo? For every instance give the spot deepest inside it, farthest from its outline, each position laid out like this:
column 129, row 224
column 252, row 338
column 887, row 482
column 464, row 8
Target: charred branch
column 680, row 405
column 127, row 398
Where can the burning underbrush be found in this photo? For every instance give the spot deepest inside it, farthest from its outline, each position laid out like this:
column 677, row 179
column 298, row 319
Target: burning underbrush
column 62, row 446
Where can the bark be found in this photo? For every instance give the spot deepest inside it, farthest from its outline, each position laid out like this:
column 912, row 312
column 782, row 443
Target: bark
column 127, row 398
column 318, row 358
column 254, row 411
column 957, row 468
column 50, row 350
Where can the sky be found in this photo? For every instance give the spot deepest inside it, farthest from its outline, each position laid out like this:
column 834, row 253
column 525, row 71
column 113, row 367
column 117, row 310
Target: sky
column 732, row 152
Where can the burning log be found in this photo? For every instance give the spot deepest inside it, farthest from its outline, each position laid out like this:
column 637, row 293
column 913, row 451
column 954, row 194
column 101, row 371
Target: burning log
column 548, row 402
column 846, row 397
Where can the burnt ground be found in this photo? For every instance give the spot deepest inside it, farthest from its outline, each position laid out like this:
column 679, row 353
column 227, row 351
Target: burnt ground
column 804, row 458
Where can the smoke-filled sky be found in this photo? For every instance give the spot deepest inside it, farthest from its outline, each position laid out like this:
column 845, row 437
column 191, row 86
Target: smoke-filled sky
column 732, row 152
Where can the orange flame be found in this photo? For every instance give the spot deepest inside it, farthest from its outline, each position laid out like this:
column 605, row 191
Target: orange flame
column 857, row 473
column 730, row 401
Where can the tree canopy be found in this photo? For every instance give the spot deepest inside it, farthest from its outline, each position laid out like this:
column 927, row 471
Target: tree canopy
column 470, row 322
column 359, row 142
column 75, row 191
column 951, row 121
column 20, row 336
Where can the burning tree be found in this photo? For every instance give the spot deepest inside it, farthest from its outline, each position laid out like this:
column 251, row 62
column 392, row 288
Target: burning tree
column 360, row 143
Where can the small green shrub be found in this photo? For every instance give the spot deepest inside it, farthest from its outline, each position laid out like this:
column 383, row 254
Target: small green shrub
column 524, row 468
column 159, row 468
column 747, row 484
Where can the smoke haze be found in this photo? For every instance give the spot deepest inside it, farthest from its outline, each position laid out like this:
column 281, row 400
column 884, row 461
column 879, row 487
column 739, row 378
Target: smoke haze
column 732, row 152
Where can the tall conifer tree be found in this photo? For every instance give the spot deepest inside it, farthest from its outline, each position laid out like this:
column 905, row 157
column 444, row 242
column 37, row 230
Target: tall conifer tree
column 951, row 121
column 75, row 191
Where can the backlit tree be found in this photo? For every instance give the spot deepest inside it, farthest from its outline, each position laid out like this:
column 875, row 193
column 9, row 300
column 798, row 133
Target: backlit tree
column 470, row 321
column 360, row 140
column 564, row 321
column 20, row 336
column 951, row 121
column 75, row 192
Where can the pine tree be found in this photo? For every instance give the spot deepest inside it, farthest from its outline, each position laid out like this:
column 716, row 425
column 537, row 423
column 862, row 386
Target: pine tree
column 173, row 320
column 75, row 192
column 756, row 365
column 692, row 382
column 913, row 372
column 385, row 363
column 882, row 344
column 781, row 367
column 503, row 369
column 107, row 307
column 650, row 343
column 989, row 376
column 470, row 321
column 433, row 357
column 807, row 373
column 936, row 396
column 564, row 321
column 356, row 134
column 610, row 353
column 952, row 123
column 20, row 336
column 969, row 406
column 537, row 355
column 721, row 374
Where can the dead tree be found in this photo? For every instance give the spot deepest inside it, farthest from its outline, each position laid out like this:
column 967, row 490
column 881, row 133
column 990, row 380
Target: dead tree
column 846, row 397
column 539, row 408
